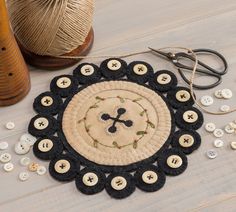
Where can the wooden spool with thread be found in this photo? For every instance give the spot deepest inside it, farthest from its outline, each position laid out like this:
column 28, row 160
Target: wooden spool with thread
column 46, row 29
column 14, row 75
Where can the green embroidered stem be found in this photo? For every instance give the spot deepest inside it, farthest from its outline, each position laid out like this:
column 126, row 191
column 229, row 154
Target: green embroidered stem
column 141, row 133
column 99, row 98
column 116, row 145
column 151, row 124
column 135, row 144
column 142, row 113
column 136, row 100
column 95, row 143
column 122, row 100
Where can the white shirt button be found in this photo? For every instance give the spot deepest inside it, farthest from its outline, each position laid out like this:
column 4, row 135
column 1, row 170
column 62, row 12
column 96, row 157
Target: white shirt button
column 41, row 170
column 23, row 176
column 233, row 145
column 87, row 70
column 62, row 166
column 45, row 145
column 41, row 123
column 149, row 177
column 118, row 183
column 63, row 82
column 5, row 157
column 140, row 69
column 25, row 161
column 114, row 65
column 182, row 96
column 28, row 139
column 90, row 179
column 174, row 161
column 225, row 108
column 8, row 167
column 186, row 140
column 211, row 154
column 218, row 133
column 229, row 129
column 218, row 94
column 227, row 93
column 218, row 143
column 163, row 79
column 190, row 116
column 3, row 145
column 210, row 127
column 206, row 100
column 47, row 101
column 21, row 148
column 10, row 125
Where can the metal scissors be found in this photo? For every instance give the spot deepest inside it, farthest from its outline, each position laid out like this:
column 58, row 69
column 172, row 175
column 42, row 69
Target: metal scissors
column 202, row 68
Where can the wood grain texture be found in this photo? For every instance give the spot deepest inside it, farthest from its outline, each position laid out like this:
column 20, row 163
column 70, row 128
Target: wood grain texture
column 124, row 26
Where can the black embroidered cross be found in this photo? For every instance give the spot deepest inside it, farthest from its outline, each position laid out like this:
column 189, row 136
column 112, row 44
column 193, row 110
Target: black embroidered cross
column 64, row 82
column 150, row 177
column 41, row 124
column 190, row 116
column 47, row 101
column 186, row 140
column 90, row 179
column 120, row 112
column 62, row 166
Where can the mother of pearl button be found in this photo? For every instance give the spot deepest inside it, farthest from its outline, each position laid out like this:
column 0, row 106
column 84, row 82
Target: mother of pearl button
column 63, row 82
column 90, row 179
column 45, row 145
column 174, row 161
column 140, row 69
column 41, row 123
column 149, row 177
column 186, row 140
column 182, row 96
column 190, row 116
column 114, row 65
column 62, row 166
column 87, row 70
column 47, row 101
column 164, row 79
column 118, row 183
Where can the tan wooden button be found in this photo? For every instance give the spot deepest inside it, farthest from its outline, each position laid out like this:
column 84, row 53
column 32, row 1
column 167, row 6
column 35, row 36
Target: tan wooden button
column 140, row 69
column 41, row 123
column 164, row 79
column 118, row 183
column 149, row 177
column 186, row 140
column 87, row 70
column 183, row 96
column 90, row 179
column 63, row 82
column 45, row 145
column 33, row 167
column 174, row 161
column 47, row 101
column 190, row 116
column 114, row 65
column 62, row 166
column 233, row 145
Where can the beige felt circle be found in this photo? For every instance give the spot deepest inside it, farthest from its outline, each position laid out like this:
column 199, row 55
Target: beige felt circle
column 47, row 101
column 41, row 123
column 163, row 79
column 149, row 177
column 147, row 118
column 45, row 145
column 90, row 179
column 183, row 96
column 186, row 140
column 87, row 70
column 114, row 65
column 63, row 82
column 140, row 69
column 190, row 116
column 174, row 161
column 118, row 183
column 62, row 166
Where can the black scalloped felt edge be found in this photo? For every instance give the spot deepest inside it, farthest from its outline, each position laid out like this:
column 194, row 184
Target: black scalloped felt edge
column 127, row 191
column 113, row 75
column 107, row 168
column 50, row 130
column 149, row 187
column 163, row 88
column 171, row 96
column 186, row 150
column 71, row 174
column 56, row 150
column 90, row 190
column 188, row 126
column 82, row 79
column 161, row 162
column 50, row 110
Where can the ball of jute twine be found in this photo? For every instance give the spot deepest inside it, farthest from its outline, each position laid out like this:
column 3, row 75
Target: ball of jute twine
column 51, row 27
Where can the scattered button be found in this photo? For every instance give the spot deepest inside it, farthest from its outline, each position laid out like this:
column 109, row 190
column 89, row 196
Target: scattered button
column 229, row 129
column 225, row 108
column 28, row 139
column 218, row 94
column 8, row 167
column 3, row 145
column 210, row 127
column 63, row 82
column 174, row 161
column 10, row 125
column 62, row 166
column 218, row 143
column 25, row 161
column 114, row 65
column 45, row 145
column 149, row 177
column 233, row 125
column 90, row 179
column 164, row 79
column 206, row 100
column 21, row 148
column 33, row 167
column 41, row 170
column 47, row 101
column 87, row 70
column 5, row 157
column 190, row 116
column 211, row 154
column 227, row 93
column 233, row 145
column 118, row 183
column 218, row 133
column 41, row 123
column 140, row 69
column 183, row 96
column 23, row 176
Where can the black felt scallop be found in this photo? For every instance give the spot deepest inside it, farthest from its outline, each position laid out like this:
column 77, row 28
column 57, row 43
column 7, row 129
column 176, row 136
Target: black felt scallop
column 55, row 151
column 149, row 187
column 83, row 79
column 64, row 92
column 113, row 74
column 70, row 174
column 155, row 85
column 132, row 76
column 187, row 150
column 162, row 162
column 120, row 194
column 89, row 190
column 174, row 102
column 49, row 130
column 53, row 109
column 182, row 124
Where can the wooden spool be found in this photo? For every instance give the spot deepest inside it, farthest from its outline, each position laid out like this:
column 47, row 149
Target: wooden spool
column 14, row 75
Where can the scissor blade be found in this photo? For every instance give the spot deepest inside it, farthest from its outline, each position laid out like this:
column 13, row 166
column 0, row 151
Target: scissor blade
column 160, row 52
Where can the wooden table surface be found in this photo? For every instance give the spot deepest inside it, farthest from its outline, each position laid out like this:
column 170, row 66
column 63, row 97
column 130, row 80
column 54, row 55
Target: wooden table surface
column 126, row 26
